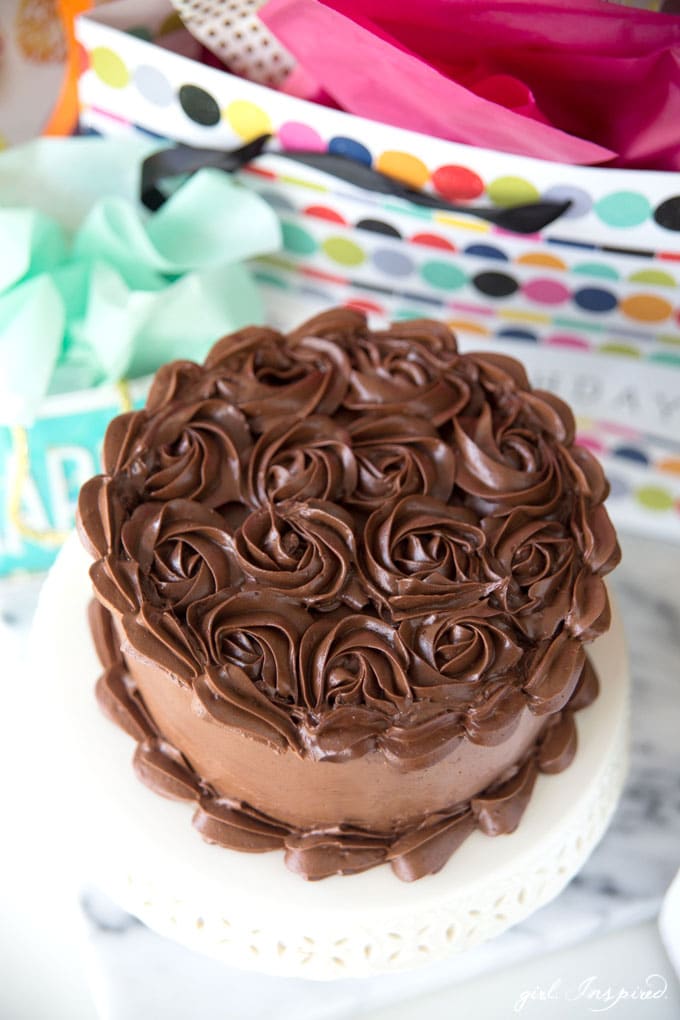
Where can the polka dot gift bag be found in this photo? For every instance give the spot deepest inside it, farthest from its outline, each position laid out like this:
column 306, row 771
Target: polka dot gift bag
column 575, row 268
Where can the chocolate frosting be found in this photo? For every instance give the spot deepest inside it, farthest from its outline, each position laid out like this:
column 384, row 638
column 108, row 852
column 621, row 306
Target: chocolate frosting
column 346, row 543
column 308, row 459
column 185, row 451
column 398, row 455
column 306, row 550
column 413, row 850
column 420, row 555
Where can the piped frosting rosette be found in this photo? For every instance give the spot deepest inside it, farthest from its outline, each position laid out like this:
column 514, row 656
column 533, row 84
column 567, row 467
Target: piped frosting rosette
column 348, row 543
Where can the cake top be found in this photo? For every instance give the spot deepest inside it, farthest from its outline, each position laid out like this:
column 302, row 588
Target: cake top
column 348, row 540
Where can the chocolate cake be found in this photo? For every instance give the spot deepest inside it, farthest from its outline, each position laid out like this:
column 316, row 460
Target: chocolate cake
column 343, row 583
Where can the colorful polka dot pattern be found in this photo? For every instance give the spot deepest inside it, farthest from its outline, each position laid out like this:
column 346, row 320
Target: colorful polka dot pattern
column 153, row 85
column 621, row 445
column 512, row 191
column 446, row 273
column 502, row 321
column 627, row 446
column 247, row 120
column 510, row 295
column 620, row 209
column 654, row 498
column 343, row 251
column 108, row 66
column 601, row 270
column 199, row 105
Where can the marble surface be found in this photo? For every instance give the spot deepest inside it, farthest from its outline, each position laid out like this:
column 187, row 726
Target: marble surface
column 622, row 883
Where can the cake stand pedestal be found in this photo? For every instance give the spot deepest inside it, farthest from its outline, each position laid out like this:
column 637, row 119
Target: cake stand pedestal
column 248, row 909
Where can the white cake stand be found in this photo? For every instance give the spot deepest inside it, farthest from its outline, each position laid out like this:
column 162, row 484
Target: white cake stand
column 248, row 909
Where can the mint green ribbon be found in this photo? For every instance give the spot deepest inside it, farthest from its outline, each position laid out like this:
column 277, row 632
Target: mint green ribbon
column 94, row 289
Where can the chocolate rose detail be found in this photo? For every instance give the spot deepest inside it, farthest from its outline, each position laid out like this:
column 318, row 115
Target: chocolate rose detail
column 341, row 325
column 356, row 666
column 397, row 455
column 342, row 851
column 584, row 473
column 174, row 554
column 537, row 561
column 304, row 550
column 272, row 377
column 590, row 612
column 420, row 555
column 178, row 380
column 596, row 537
column 499, row 810
column 195, row 451
column 506, row 386
column 183, row 551
column 496, row 374
column 504, row 463
column 249, row 646
column 157, row 637
column 494, row 718
column 455, row 653
column 407, row 369
column 102, row 510
column 554, row 673
column 549, row 414
column 357, row 660
column 308, row 459
column 247, row 631
column 425, row 735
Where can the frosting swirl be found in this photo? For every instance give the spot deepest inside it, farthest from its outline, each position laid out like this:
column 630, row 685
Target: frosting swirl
column 416, row 849
column 178, row 380
column 340, row 325
column 185, row 451
column 504, row 462
column 585, row 474
column 536, row 560
column 271, row 377
column 495, row 374
column 102, row 510
column 308, row 459
column 158, row 638
column 354, row 680
column 249, row 649
column 397, row 455
column 172, row 555
column 305, row 550
column 409, row 368
column 554, row 673
column 455, row 653
column 596, row 537
column 420, row 555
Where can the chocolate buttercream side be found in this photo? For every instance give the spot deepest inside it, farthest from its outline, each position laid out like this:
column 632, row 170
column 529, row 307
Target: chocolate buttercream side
column 413, row 849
